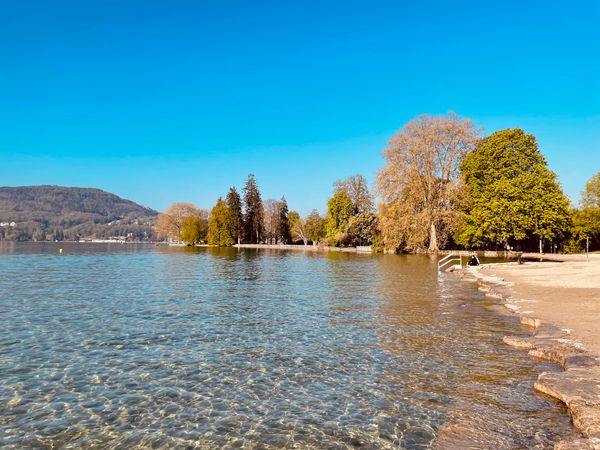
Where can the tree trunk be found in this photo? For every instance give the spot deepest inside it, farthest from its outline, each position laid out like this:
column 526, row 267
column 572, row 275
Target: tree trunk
column 433, row 243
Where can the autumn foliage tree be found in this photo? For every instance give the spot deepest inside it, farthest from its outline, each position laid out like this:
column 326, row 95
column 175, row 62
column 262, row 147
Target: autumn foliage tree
column 357, row 188
column 276, row 221
column 297, row 227
column 170, row 224
column 418, row 185
column 271, row 220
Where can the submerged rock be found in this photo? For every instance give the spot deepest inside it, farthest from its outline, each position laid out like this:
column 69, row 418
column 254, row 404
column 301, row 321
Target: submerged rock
column 578, row 387
column 578, row 444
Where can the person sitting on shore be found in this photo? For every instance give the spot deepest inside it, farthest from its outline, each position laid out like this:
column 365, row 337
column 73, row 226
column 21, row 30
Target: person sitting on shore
column 474, row 261
column 519, row 250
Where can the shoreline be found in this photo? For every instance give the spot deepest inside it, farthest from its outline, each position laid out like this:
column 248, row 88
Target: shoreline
column 312, row 248
column 541, row 293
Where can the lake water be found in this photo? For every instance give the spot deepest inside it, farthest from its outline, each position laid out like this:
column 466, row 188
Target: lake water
column 137, row 346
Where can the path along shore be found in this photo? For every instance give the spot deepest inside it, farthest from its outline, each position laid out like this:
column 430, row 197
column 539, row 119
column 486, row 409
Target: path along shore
column 559, row 305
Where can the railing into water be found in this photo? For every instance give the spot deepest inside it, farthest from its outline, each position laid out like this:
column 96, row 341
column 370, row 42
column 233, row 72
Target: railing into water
column 449, row 259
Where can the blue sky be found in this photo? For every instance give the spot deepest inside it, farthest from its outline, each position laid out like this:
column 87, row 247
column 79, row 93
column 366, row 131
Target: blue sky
column 176, row 101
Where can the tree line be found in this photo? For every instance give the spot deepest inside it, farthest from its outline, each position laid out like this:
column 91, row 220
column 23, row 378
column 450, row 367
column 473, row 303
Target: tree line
column 443, row 185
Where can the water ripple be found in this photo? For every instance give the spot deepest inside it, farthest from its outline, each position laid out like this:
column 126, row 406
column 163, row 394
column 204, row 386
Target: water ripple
column 147, row 347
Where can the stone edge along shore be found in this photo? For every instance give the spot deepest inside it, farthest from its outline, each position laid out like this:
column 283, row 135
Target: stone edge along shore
column 578, row 386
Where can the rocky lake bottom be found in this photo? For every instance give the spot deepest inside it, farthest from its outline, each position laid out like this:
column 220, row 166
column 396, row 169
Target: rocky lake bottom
column 125, row 346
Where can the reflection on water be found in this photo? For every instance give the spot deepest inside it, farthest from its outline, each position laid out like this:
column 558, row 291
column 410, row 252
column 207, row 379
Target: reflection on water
column 140, row 346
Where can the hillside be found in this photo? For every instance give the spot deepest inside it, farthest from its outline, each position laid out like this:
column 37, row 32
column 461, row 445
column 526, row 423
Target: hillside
column 71, row 213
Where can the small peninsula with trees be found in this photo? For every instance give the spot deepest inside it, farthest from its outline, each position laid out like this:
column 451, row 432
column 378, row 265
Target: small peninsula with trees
column 443, row 186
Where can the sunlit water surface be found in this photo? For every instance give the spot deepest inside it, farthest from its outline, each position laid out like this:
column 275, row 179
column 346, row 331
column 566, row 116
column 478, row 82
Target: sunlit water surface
column 137, row 346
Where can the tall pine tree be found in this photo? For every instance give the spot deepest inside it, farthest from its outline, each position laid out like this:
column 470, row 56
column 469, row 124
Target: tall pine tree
column 236, row 222
column 283, row 223
column 219, row 225
column 253, row 212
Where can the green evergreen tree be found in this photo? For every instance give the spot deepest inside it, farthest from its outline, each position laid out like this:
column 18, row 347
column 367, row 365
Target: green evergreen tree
column 339, row 211
column 219, row 225
column 234, row 203
column 253, row 212
column 511, row 195
column 283, row 224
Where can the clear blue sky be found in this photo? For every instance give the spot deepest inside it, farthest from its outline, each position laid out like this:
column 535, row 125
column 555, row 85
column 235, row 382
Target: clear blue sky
column 176, row 101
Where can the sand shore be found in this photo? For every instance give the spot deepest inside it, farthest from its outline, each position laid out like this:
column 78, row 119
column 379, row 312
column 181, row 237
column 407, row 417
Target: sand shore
column 559, row 303
column 564, row 293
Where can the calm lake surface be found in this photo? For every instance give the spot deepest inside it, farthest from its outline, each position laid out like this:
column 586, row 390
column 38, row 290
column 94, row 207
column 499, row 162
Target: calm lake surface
column 137, row 346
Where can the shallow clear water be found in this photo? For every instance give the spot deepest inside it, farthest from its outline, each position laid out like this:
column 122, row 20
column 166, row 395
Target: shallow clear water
column 136, row 346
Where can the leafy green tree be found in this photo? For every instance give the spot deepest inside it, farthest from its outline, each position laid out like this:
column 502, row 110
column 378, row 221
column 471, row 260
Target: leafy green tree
column 236, row 224
column 361, row 230
column 315, row 227
column 511, row 194
column 253, row 212
column 586, row 220
column 339, row 211
column 297, row 227
column 193, row 230
column 219, row 225
column 585, row 231
column 591, row 195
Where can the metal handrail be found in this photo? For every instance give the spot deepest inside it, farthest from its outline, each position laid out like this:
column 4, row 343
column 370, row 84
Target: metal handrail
column 451, row 258
column 445, row 258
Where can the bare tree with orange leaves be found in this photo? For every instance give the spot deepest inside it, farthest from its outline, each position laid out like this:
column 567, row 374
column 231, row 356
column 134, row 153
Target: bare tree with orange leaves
column 419, row 183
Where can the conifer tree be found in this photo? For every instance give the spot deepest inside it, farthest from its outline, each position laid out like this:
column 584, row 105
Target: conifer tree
column 219, row 225
column 253, row 212
column 236, row 220
column 283, row 225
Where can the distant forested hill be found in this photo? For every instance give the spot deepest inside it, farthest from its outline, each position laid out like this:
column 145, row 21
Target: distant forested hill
column 48, row 213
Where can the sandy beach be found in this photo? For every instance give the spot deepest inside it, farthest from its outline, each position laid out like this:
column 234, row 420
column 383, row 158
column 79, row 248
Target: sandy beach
column 565, row 293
